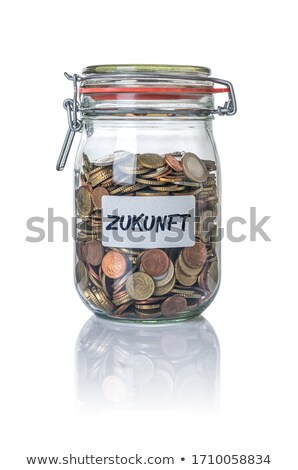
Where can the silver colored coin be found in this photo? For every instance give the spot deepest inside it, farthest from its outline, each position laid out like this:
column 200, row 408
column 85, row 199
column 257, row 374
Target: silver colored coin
column 194, row 167
column 212, row 276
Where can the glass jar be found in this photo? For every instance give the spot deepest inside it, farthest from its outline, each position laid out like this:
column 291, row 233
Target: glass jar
column 147, row 189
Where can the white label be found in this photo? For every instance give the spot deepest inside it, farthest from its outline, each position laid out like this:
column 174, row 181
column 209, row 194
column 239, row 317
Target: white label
column 148, row 222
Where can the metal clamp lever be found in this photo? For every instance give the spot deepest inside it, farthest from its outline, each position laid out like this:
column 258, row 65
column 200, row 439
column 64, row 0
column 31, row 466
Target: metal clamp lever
column 74, row 124
column 230, row 106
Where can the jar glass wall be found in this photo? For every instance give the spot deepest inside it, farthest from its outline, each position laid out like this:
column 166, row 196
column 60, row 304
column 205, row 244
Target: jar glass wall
column 147, row 189
column 147, row 202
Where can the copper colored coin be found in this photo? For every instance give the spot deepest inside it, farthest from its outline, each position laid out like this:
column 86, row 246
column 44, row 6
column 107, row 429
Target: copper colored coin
column 155, row 262
column 173, row 305
column 173, row 163
column 195, row 256
column 114, row 264
column 94, row 252
column 123, row 307
column 97, row 196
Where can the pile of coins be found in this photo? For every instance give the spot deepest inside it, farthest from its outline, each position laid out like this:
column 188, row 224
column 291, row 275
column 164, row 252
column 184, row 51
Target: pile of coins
column 146, row 284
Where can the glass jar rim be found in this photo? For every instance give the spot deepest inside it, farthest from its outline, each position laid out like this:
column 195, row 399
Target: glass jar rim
column 128, row 69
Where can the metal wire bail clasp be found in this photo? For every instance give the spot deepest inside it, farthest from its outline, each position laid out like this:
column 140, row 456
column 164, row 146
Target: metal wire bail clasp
column 74, row 124
column 230, row 106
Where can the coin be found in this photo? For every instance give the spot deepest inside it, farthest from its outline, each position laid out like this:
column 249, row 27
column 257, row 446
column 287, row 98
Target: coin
column 208, row 279
column 114, row 264
column 186, row 269
column 86, row 163
column 94, row 252
column 147, row 316
column 147, row 182
column 91, row 297
column 173, row 305
column 122, row 300
column 159, row 291
column 147, row 307
column 165, row 279
column 83, row 200
column 212, row 276
column 172, row 179
column 140, row 286
column 152, row 193
column 194, row 168
column 151, row 160
column 102, row 299
column 151, row 300
column 97, row 194
column 120, row 282
column 123, row 307
column 155, row 262
column 81, row 275
column 173, row 162
column 168, row 188
column 159, row 172
column 184, row 279
column 195, row 256
column 127, row 188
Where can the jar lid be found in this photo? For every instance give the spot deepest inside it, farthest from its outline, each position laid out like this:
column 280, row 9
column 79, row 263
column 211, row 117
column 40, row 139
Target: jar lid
column 146, row 81
column 153, row 68
column 131, row 85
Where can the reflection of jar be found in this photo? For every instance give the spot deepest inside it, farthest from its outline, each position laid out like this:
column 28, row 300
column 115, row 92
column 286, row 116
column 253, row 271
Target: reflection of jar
column 133, row 366
column 147, row 190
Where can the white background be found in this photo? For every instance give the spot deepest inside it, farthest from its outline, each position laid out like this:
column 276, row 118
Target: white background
column 254, row 315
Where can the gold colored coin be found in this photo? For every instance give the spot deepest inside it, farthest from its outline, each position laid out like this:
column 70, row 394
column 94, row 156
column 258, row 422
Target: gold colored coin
column 151, row 160
column 184, row 279
column 152, row 193
column 102, row 299
column 149, row 182
column 183, row 291
column 186, row 269
column 147, row 307
column 175, row 180
column 100, row 176
column 86, row 163
column 147, row 316
column 158, row 172
column 169, row 188
column 83, row 201
column 140, row 286
column 122, row 300
column 125, row 188
column 91, row 297
column 165, row 289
